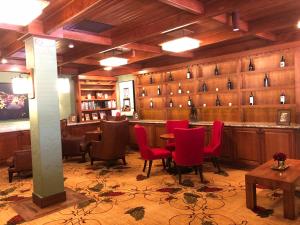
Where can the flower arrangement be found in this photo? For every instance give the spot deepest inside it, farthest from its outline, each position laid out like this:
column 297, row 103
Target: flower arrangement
column 279, row 156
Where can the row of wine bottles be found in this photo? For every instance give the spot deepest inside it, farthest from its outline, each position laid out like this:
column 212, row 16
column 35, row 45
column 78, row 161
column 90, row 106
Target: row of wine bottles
column 282, row 100
column 189, row 75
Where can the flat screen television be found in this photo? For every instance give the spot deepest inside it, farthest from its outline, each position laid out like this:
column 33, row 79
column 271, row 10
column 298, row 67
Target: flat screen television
column 12, row 106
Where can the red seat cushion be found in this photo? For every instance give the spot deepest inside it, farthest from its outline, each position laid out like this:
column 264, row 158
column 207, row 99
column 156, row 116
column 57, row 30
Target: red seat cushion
column 170, row 146
column 159, row 153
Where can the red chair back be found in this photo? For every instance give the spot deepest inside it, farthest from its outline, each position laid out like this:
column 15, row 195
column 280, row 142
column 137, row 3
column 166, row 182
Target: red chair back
column 172, row 124
column 118, row 114
column 216, row 137
column 189, row 146
column 141, row 138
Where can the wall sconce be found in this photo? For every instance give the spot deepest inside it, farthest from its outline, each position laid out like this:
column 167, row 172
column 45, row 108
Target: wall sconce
column 24, row 84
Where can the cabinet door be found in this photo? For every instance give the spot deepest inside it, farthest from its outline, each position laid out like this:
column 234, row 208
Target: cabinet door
column 247, row 145
column 279, row 140
column 227, row 152
column 8, row 145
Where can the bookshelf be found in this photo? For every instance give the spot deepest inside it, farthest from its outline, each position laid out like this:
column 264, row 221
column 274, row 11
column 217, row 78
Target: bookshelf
column 235, row 105
column 95, row 97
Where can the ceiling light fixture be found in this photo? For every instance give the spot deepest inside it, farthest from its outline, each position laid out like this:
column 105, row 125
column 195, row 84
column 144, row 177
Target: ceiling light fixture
column 181, row 44
column 143, row 71
column 108, row 68
column 3, row 60
column 71, row 45
column 113, row 61
column 21, row 13
column 298, row 24
column 235, row 20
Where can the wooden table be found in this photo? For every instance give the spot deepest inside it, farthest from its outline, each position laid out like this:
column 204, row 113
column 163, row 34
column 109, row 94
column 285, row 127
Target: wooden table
column 285, row 180
column 169, row 136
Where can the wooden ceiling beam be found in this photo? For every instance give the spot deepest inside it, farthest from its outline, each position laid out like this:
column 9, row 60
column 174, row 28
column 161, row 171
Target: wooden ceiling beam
column 12, row 48
column 74, row 10
column 143, row 47
column 87, row 61
column 192, row 6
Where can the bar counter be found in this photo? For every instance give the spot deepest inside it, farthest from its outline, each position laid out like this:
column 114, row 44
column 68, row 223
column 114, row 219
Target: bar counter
column 243, row 143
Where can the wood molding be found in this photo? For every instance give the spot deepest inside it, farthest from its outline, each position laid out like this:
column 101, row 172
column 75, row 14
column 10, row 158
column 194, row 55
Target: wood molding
column 192, row 6
column 43, row 202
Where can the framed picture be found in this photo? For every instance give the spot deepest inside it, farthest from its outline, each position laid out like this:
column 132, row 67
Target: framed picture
column 283, row 117
column 127, row 103
column 95, row 116
column 87, row 117
column 72, row 118
column 12, row 106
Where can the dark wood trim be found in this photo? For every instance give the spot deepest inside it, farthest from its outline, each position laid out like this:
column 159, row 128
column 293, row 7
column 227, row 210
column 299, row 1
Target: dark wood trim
column 43, row 202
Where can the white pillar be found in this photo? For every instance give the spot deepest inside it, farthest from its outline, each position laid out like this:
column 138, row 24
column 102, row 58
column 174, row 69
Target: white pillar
column 48, row 181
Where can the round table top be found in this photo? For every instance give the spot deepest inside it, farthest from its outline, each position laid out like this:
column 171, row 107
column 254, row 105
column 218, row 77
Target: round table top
column 168, row 136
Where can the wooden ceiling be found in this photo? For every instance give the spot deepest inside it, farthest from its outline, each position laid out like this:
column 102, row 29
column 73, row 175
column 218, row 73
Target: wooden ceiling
column 135, row 28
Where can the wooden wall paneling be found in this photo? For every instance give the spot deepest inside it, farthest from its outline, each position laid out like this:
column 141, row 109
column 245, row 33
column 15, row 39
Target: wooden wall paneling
column 8, row 145
column 297, row 83
column 132, row 139
column 297, row 143
column 247, row 145
column 24, row 139
column 227, row 152
column 239, row 86
column 159, row 130
column 178, row 113
column 279, row 140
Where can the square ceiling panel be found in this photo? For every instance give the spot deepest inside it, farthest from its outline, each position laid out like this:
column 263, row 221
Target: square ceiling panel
column 88, row 26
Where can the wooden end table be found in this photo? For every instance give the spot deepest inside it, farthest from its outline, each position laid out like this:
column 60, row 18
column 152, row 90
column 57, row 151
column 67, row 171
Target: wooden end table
column 168, row 136
column 285, row 180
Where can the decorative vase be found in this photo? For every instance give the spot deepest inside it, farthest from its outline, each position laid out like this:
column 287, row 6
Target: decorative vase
column 281, row 164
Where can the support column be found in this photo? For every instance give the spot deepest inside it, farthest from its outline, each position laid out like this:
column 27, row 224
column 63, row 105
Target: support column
column 48, row 181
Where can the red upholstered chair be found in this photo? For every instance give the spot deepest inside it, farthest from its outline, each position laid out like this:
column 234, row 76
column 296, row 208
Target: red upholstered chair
column 213, row 149
column 189, row 147
column 148, row 153
column 170, row 126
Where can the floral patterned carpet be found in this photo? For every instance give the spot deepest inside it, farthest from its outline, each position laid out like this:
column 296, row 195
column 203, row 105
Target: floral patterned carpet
column 119, row 195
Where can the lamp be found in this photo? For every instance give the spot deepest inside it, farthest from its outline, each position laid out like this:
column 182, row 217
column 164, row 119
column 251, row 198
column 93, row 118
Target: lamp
column 235, row 19
column 63, row 85
column 24, row 84
column 113, row 61
column 180, row 44
column 21, row 13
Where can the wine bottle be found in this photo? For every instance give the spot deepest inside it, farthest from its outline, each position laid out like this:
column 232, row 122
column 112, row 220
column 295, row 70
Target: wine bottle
column 204, row 87
column 143, row 92
column 217, row 72
column 189, row 101
column 229, row 84
column 218, row 101
column 179, row 89
column 171, row 103
column 188, row 73
column 282, row 62
column 266, row 81
column 151, row 103
column 251, row 66
column 251, row 99
column 151, row 79
column 282, row 98
column 170, row 77
column 158, row 90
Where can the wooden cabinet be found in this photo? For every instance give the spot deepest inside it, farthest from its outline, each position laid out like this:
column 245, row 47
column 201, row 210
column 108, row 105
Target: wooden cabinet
column 95, row 96
column 234, row 103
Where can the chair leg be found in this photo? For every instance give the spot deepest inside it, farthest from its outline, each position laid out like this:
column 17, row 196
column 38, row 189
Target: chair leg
column 201, row 173
column 149, row 169
column 169, row 161
column 124, row 160
column 164, row 164
column 83, row 157
column 145, row 165
column 10, row 176
column 218, row 165
column 196, row 170
column 92, row 161
column 213, row 160
column 179, row 173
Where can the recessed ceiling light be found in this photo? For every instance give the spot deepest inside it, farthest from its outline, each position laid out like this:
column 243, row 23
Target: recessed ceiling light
column 181, row 44
column 21, row 13
column 298, row 24
column 3, row 60
column 107, row 68
column 113, row 61
column 71, row 45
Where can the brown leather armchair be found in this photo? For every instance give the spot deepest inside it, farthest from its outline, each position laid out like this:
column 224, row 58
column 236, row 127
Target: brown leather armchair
column 72, row 145
column 20, row 162
column 113, row 142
